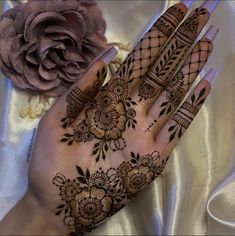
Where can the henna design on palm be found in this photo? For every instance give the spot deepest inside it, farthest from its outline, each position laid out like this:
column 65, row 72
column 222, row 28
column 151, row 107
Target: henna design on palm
column 77, row 98
column 92, row 197
column 113, row 111
column 107, row 116
column 185, row 115
column 162, row 71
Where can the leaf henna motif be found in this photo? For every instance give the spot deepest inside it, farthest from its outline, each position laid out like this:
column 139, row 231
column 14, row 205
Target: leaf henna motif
column 160, row 74
column 185, row 115
column 90, row 198
column 107, row 116
column 180, row 84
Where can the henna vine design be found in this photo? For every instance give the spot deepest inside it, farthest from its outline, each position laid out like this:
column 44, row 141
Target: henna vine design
column 181, row 83
column 186, row 114
column 150, row 45
column 92, row 197
column 161, row 72
column 107, row 116
column 112, row 112
column 77, row 98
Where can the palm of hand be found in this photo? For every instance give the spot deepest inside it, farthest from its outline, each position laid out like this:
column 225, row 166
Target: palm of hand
column 100, row 154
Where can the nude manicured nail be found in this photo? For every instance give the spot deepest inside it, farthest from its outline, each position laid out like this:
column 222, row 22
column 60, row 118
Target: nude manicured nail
column 108, row 55
column 211, row 33
column 211, row 75
column 188, row 3
column 210, row 5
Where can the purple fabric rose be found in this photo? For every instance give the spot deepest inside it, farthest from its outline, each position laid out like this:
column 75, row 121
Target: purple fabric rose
column 45, row 46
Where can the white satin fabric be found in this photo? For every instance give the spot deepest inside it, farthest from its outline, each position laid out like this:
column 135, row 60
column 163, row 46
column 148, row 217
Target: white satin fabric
column 196, row 193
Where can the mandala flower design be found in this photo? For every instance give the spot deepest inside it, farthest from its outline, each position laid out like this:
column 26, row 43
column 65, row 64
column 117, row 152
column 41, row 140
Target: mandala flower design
column 137, row 179
column 147, row 91
column 146, row 160
column 107, row 124
column 105, row 102
column 118, row 89
column 90, row 206
column 124, row 168
column 68, row 188
column 45, row 46
column 99, row 180
column 82, row 134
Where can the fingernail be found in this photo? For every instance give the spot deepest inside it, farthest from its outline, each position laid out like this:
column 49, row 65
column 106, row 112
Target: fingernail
column 211, row 33
column 108, row 55
column 210, row 5
column 188, row 3
column 211, row 75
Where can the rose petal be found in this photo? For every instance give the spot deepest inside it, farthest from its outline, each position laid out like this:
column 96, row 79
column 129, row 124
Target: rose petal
column 47, row 74
column 48, row 63
column 56, row 29
column 31, row 55
column 5, row 49
column 33, row 78
column 17, row 54
column 56, row 59
column 66, row 76
column 72, row 68
column 63, row 37
column 45, row 44
column 76, row 22
column 36, row 27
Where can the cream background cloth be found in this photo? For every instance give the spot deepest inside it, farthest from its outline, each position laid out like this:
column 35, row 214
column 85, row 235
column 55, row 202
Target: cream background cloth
column 196, row 193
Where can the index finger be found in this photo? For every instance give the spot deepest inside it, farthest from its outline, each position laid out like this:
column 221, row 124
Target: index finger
column 149, row 47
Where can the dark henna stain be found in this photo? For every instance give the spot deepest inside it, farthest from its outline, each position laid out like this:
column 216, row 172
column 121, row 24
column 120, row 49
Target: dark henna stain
column 185, row 115
column 107, row 117
column 159, row 76
column 77, row 98
column 92, row 197
column 182, row 81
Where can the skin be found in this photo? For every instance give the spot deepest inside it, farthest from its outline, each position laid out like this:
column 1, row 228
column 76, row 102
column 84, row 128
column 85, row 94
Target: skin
column 60, row 158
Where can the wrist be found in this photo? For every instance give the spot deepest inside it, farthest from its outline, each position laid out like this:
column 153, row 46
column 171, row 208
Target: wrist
column 29, row 217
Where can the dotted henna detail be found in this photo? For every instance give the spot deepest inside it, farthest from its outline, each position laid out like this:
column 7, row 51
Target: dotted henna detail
column 160, row 74
column 183, row 80
column 90, row 198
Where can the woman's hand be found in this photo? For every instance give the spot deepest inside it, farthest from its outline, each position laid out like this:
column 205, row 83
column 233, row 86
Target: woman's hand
column 97, row 147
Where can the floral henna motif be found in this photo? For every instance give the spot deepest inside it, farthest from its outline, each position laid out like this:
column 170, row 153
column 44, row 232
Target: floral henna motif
column 112, row 112
column 107, row 116
column 159, row 75
column 91, row 198
column 77, row 98
column 185, row 115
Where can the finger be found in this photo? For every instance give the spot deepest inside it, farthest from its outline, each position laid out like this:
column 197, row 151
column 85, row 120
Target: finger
column 174, row 53
column 180, row 84
column 147, row 50
column 71, row 103
column 174, row 129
